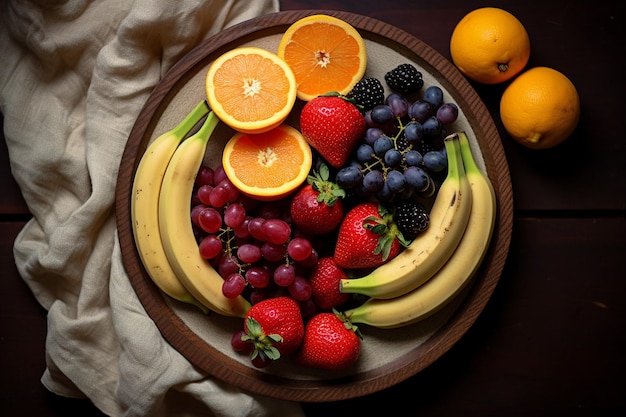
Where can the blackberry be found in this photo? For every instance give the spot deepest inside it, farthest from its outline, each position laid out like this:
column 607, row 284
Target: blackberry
column 412, row 218
column 405, row 78
column 367, row 93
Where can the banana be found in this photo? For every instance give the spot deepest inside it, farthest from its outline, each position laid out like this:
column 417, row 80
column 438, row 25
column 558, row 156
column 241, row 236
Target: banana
column 430, row 250
column 455, row 274
column 144, row 207
column 179, row 242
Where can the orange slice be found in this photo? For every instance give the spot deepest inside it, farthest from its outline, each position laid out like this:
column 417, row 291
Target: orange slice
column 250, row 89
column 325, row 53
column 269, row 165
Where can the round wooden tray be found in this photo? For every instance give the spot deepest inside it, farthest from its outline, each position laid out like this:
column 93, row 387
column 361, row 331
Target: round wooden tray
column 388, row 356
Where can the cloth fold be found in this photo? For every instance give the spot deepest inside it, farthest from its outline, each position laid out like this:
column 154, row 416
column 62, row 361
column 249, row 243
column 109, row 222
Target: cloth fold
column 74, row 77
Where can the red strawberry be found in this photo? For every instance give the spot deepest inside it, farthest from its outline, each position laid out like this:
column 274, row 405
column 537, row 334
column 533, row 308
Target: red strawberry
column 275, row 327
column 330, row 342
column 317, row 207
column 325, row 284
column 367, row 237
column 333, row 126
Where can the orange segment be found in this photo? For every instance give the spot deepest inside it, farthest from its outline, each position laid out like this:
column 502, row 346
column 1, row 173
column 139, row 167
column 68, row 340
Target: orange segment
column 251, row 89
column 269, row 165
column 325, row 53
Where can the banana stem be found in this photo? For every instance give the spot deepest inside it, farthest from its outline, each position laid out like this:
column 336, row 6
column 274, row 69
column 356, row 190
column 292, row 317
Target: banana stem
column 466, row 152
column 451, row 142
column 191, row 120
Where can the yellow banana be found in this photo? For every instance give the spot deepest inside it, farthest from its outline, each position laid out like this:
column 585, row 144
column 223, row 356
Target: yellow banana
column 144, row 206
column 179, row 242
column 430, row 250
column 455, row 274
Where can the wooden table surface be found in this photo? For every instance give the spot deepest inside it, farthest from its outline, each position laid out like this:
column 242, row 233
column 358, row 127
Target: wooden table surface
column 551, row 340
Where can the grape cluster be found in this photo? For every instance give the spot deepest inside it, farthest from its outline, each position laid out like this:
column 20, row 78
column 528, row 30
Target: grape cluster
column 253, row 245
column 402, row 150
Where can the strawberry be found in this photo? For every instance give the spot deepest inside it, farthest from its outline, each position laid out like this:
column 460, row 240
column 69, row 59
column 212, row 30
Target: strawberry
column 325, row 284
column 330, row 342
column 367, row 237
column 333, row 126
column 317, row 207
column 275, row 327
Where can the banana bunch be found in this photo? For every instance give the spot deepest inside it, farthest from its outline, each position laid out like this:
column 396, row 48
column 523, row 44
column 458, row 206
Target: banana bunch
column 160, row 210
column 432, row 284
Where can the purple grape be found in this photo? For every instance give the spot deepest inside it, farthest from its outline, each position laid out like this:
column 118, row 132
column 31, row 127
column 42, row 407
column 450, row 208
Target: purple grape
column 447, row 113
column 420, row 110
column 399, row 105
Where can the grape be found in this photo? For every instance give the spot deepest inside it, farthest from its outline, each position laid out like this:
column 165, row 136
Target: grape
column 447, row 113
column 258, row 277
column 272, row 252
column 371, row 134
column 210, row 247
column 219, row 196
column 420, row 110
column 238, row 344
column 382, row 145
column 219, row 174
column 249, row 253
column 373, row 181
column 234, row 215
column 311, row 260
column 364, row 153
column 395, row 181
column 300, row 289
column 413, row 158
column 299, row 249
column 308, row 308
column 417, row 178
column 349, row 177
column 254, row 227
column 413, row 132
column 210, row 220
column 233, row 285
column 227, row 265
column 284, row 275
column 382, row 114
column 203, row 193
column 434, row 96
column 435, row 161
column 195, row 212
column 204, row 177
column 242, row 231
column 393, row 158
column 233, row 192
column 276, row 231
column 432, row 127
column 385, row 194
column 399, row 105
column 269, row 210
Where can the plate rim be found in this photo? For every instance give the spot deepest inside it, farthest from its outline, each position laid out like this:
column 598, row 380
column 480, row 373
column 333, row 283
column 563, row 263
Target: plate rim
column 215, row 363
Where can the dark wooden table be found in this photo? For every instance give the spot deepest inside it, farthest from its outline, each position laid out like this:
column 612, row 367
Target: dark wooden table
column 551, row 341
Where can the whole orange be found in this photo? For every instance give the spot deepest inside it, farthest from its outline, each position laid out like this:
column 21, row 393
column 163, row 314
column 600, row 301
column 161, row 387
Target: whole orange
column 540, row 108
column 490, row 45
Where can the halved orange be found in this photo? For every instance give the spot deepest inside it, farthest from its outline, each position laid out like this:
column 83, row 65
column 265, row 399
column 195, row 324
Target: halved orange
column 270, row 165
column 325, row 53
column 250, row 89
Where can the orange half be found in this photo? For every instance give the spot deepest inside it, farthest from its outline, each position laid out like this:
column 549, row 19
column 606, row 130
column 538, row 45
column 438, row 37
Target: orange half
column 325, row 53
column 250, row 89
column 269, row 165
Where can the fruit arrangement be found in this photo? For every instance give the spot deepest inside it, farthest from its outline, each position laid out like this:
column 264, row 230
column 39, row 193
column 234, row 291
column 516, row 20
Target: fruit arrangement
column 390, row 221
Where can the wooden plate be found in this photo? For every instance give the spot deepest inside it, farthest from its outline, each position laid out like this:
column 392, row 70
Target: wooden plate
column 388, row 356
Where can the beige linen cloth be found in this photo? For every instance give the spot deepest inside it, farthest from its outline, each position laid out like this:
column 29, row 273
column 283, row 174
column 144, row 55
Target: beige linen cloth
column 74, row 75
